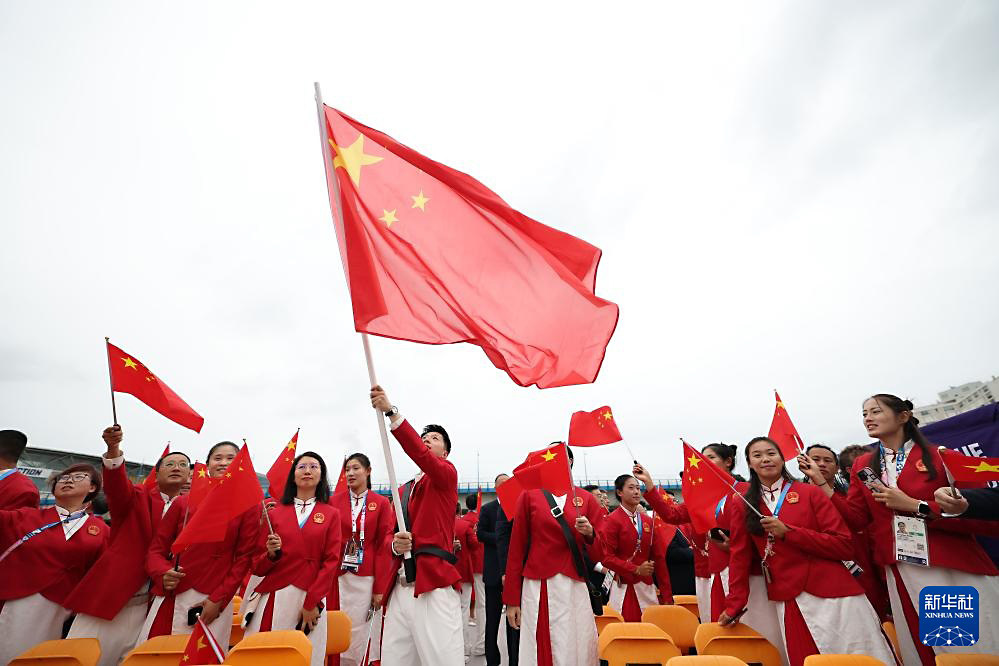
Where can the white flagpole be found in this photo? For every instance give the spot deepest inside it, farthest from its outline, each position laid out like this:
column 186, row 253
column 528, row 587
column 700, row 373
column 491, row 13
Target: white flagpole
column 382, row 430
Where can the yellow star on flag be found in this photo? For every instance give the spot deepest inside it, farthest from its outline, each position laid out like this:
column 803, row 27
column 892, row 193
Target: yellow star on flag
column 389, row 217
column 352, row 158
column 202, row 644
column 291, row 445
column 780, row 405
column 129, row 363
column 201, row 473
column 607, row 415
column 548, row 455
column 984, row 467
column 419, row 201
column 693, row 461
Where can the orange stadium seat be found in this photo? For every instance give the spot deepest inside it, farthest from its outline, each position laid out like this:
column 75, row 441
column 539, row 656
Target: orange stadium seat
column 337, row 632
column 286, row 647
column 968, row 659
column 706, row 660
column 889, row 630
column 237, row 601
column 842, row 660
column 623, row 643
column 606, row 619
column 750, row 649
column 688, row 601
column 237, row 632
column 158, row 651
column 678, row 622
column 68, row 652
column 705, row 632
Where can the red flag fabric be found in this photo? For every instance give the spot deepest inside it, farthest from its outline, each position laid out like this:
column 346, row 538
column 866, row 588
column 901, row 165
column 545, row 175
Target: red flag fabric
column 201, row 483
column 433, row 256
column 478, row 500
column 202, row 648
column 704, row 485
column 784, row 433
column 129, row 375
column 341, row 481
column 546, row 468
column 237, row 490
column 150, row 481
column 277, row 475
column 970, row 469
column 593, row 428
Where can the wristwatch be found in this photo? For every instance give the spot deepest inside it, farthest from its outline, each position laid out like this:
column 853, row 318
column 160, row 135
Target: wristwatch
column 392, row 412
column 923, row 509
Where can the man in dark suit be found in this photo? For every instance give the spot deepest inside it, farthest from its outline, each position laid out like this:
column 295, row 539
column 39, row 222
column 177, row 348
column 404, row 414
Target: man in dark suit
column 494, row 534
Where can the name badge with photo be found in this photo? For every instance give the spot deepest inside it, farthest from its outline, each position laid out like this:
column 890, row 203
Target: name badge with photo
column 353, row 555
column 910, row 540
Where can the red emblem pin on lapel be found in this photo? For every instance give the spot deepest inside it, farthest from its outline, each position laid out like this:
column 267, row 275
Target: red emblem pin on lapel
column 920, row 466
column 578, row 501
column 93, row 530
column 318, row 518
column 792, row 498
column 372, row 506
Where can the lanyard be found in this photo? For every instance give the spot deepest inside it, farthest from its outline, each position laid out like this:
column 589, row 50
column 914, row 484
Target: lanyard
column 721, row 505
column 7, row 472
column 899, row 463
column 38, row 530
column 363, row 518
column 780, row 500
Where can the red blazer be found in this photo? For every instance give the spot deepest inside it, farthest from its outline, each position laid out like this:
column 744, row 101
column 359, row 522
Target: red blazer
column 115, row 578
column 379, row 524
column 538, row 549
column 310, row 555
column 808, row 559
column 47, row 563
column 217, row 569
column 619, row 538
column 17, row 491
column 950, row 540
column 431, row 514
column 464, row 532
column 479, row 552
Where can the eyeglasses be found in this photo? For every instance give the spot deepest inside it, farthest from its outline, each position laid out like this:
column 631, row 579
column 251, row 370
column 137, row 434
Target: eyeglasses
column 73, row 478
column 172, row 464
column 301, row 467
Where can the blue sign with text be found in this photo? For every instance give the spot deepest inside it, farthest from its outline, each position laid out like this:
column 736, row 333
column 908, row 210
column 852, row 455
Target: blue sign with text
column 948, row 615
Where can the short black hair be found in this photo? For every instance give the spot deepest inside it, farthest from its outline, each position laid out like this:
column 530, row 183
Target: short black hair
column 433, row 427
column 590, row 488
column 12, row 444
column 471, row 501
column 172, row 453
column 95, row 478
column 499, row 475
column 212, row 450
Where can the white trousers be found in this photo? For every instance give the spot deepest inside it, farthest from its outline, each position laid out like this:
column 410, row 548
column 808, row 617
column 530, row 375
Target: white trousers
column 761, row 614
column 423, row 630
column 646, row 596
column 842, row 625
column 221, row 628
column 479, row 631
column 466, row 606
column 572, row 630
column 117, row 635
column 28, row 621
column 355, row 600
column 287, row 613
column 916, row 578
column 702, row 586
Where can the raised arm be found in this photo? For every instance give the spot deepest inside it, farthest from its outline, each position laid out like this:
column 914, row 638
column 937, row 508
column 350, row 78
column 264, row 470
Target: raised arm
column 120, row 492
column 441, row 472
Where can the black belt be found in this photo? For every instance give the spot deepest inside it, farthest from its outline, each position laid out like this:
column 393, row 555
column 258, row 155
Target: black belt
column 437, row 552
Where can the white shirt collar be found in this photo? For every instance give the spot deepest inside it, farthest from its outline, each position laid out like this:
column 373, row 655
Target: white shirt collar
column 70, row 528
column 357, row 498
column 304, row 503
column 771, row 492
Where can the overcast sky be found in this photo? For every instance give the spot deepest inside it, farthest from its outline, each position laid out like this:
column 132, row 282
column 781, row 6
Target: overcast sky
column 792, row 195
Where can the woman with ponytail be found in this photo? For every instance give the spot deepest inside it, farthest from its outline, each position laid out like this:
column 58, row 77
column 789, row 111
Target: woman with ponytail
column 802, row 541
column 905, row 471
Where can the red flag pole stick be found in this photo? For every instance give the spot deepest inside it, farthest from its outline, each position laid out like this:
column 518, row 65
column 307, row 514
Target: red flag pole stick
column 114, row 410
column 717, row 473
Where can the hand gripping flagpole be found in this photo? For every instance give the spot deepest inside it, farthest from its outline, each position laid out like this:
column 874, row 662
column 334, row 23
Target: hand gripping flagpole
column 717, row 473
column 382, row 431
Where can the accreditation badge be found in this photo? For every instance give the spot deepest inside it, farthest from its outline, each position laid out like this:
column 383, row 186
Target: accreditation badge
column 911, row 544
column 353, row 555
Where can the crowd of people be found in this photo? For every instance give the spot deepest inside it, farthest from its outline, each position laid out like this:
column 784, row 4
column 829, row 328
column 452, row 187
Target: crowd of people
column 813, row 562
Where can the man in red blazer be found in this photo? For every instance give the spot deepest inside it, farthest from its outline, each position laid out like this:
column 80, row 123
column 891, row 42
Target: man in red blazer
column 16, row 490
column 112, row 599
column 423, row 621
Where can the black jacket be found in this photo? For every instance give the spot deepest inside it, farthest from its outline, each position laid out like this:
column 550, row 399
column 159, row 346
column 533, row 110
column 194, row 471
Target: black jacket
column 493, row 527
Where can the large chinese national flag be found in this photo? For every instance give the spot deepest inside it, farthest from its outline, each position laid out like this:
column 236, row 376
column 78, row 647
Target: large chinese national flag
column 237, row 490
column 277, row 475
column 547, row 468
column 593, row 428
column 970, row 469
column 784, row 433
column 433, row 256
column 129, row 375
column 704, row 485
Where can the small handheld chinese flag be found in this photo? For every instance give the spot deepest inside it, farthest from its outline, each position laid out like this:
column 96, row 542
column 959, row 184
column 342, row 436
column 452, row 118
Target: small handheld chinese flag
column 970, row 469
column 546, row 469
column 150, row 481
column 202, row 648
column 129, row 375
column 704, row 485
column 277, row 475
column 201, row 483
column 237, row 491
column 341, row 481
column 594, row 428
column 784, row 433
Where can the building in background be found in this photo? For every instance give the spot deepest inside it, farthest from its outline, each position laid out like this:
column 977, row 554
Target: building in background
column 959, row 399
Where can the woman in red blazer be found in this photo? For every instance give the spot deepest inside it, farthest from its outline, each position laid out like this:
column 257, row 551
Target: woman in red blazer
column 632, row 553
column 209, row 574
column 366, row 522
column 802, row 541
column 301, row 557
column 910, row 470
column 43, row 555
